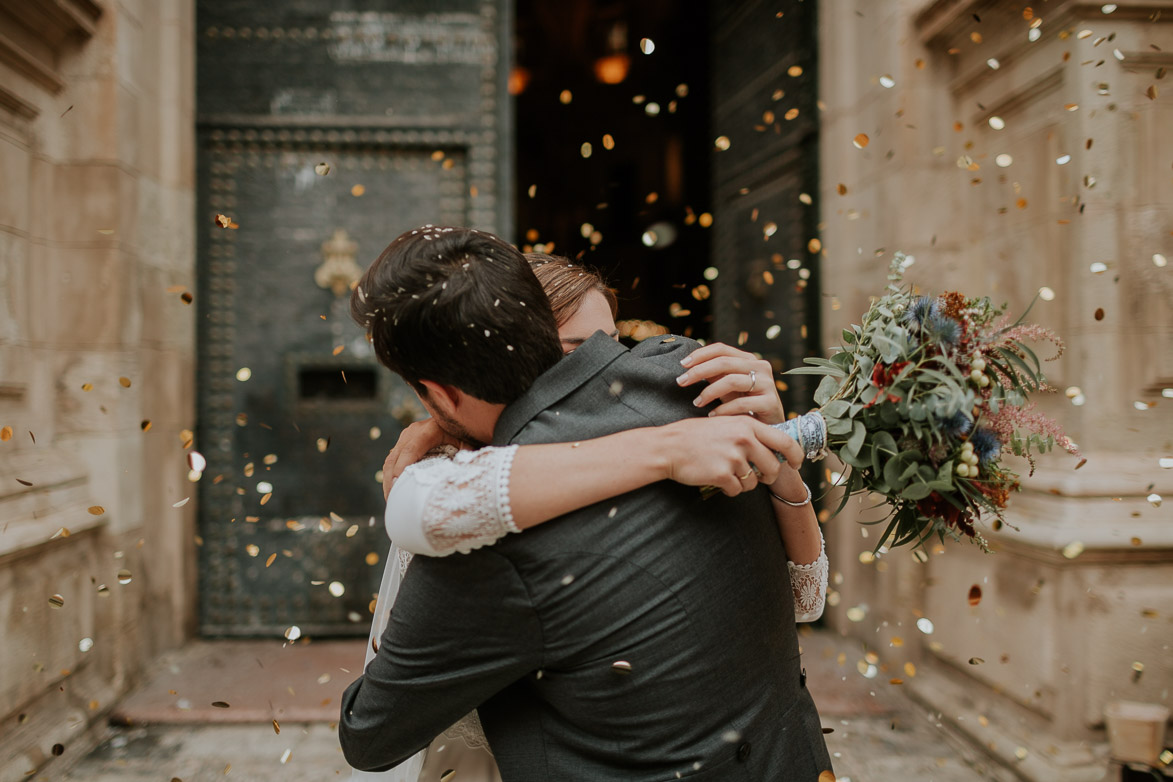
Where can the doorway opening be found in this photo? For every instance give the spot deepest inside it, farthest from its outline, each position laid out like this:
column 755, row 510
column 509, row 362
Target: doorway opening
column 612, row 112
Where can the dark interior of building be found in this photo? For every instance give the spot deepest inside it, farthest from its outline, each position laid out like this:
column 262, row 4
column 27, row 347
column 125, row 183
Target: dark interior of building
column 613, row 145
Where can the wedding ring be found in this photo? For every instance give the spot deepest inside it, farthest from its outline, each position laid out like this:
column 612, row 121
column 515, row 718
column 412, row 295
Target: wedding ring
column 743, row 477
column 753, row 381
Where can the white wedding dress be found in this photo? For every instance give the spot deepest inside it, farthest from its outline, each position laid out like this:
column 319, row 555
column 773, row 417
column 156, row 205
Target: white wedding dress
column 454, row 502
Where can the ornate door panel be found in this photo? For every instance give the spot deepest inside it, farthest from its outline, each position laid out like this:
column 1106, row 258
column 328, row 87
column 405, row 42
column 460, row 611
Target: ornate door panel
column 764, row 102
column 323, row 134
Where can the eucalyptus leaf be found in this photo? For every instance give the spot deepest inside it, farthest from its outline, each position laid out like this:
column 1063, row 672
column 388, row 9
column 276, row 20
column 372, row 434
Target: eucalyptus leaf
column 855, row 441
column 827, row 388
column 916, row 491
column 836, row 409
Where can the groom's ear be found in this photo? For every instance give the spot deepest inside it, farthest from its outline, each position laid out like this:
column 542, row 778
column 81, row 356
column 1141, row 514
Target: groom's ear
column 443, row 397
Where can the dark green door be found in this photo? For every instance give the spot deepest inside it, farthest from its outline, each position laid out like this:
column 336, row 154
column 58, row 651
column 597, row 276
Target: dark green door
column 325, row 129
column 765, row 183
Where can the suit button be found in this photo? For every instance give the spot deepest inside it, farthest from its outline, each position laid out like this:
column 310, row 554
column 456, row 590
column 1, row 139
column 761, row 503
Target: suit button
column 743, row 752
column 802, row 678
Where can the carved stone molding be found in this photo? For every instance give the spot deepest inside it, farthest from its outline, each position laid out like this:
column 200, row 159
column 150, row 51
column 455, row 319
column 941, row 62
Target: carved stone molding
column 55, row 21
column 35, row 32
column 18, row 106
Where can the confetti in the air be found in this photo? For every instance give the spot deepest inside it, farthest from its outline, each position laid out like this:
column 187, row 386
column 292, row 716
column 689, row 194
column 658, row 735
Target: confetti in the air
column 975, row 595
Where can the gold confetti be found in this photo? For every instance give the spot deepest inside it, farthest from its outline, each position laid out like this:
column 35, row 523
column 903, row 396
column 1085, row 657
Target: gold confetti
column 96, row 510
column 372, row 558
column 56, row 601
column 861, row 140
column 358, row 190
column 321, row 169
column 5, row 434
column 276, row 728
column 1151, row 92
column 790, row 114
column 842, row 189
column 124, row 577
column 909, row 670
column 1073, row 549
column 976, row 37
column 794, row 71
column 270, row 560
column 87, row 386
column 976, row 661
column 814, row 245
column 975, row 595
column 722, row 143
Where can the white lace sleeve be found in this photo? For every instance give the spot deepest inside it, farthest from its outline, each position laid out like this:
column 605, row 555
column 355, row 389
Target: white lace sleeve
column 809, row 583
column 441, row 506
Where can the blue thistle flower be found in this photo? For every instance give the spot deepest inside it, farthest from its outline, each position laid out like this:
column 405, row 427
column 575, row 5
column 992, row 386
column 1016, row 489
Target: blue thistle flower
column 957, row 425
column 986, row 445
column 919, row 311
column 943, row 329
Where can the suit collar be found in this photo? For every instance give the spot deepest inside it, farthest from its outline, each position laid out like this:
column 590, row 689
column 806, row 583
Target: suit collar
column 557, row 382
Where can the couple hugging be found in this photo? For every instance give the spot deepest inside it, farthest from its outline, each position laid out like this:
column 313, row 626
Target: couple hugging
column 631, row 631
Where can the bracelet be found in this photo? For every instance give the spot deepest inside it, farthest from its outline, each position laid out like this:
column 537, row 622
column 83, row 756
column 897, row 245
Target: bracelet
column 806, row 501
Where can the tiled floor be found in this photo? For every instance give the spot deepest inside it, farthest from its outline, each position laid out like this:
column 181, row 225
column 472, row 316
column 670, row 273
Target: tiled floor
column 878, row 735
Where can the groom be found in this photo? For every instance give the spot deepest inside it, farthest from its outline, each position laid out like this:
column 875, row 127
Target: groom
column 648, row 638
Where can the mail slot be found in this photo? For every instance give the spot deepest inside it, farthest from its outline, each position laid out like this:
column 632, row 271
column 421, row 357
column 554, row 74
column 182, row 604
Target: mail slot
column 328, row 383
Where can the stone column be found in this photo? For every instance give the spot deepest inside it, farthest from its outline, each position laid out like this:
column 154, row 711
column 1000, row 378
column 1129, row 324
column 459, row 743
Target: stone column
column 96, row 248
column 1008, row 161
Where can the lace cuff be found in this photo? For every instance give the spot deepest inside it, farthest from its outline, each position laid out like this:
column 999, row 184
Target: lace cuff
column 809, row 583
column 441, row 506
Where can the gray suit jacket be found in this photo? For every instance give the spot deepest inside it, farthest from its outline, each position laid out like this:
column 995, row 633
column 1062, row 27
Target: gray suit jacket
column 649, row 637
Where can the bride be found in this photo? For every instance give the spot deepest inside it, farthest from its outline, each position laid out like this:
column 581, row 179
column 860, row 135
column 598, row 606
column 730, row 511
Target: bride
column 444, row 498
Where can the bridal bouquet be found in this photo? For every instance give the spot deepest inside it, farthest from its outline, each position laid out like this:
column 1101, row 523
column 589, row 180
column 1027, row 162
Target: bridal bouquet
column 920, row 401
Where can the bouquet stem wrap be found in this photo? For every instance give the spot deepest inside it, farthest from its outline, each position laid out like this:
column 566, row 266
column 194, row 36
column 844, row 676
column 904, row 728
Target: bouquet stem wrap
column 810, row 432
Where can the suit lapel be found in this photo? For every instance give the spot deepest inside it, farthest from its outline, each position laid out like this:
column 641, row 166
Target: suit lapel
column 557, row 382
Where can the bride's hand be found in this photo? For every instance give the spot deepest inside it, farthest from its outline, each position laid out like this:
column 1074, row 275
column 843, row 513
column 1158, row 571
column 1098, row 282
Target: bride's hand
column 734, row 454
column 414, row 443
column 743, row 382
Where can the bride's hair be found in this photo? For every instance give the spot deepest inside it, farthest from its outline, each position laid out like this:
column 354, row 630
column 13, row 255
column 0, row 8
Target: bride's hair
column 567, row 284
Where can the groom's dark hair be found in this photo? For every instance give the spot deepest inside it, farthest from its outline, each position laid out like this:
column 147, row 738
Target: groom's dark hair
column 459, row 307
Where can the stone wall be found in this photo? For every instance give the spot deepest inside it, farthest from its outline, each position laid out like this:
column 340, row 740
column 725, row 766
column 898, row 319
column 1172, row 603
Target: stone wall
column 96, row 248
column 1085, row 589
